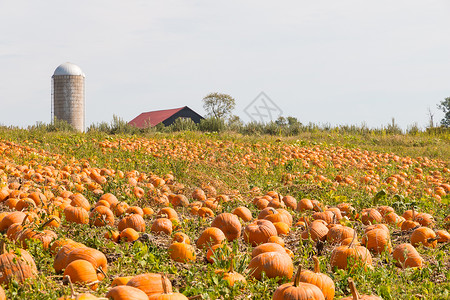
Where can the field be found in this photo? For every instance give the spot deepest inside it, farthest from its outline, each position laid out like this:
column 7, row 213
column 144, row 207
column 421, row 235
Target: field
column 404, row 179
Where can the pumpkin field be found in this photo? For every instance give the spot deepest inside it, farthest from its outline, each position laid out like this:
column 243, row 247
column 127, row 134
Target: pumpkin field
column 193, row 215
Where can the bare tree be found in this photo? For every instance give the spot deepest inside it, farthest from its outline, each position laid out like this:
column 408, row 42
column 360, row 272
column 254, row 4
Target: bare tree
column 430, row 118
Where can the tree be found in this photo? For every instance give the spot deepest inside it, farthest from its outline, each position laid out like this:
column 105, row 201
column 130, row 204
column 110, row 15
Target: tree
column 445, row 106
column 218, row 105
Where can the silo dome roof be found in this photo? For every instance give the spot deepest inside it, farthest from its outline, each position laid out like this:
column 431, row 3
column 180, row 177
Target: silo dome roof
column 68, row 69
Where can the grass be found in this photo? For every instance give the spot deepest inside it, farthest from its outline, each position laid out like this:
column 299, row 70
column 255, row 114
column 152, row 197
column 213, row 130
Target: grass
column 234, row 164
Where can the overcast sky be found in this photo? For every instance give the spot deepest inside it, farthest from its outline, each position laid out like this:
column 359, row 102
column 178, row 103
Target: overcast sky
column 336, row 62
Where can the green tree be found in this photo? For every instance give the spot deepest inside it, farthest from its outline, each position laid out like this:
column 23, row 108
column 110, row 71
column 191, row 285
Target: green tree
column 445, row 107
column 219, row 105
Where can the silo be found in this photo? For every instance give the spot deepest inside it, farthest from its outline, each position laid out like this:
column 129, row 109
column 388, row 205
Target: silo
column 68, row 95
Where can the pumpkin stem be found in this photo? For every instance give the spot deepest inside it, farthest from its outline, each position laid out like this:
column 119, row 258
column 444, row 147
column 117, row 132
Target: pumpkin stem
column 316, row 264
column 353, row 239
column 232, row 264
column 318, row 207
column 334, row 218
column 353, row 289
column 164, row 284
column 297, row 276
column 2, row 247
column 100, row 269
column 413, row 213
column 67, row 279
column 46, row 223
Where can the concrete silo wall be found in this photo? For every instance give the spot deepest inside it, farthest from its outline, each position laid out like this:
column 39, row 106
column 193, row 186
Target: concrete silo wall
column 68, row 99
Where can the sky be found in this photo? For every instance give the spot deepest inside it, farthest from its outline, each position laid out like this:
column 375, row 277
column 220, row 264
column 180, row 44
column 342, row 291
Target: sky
column 346, row 62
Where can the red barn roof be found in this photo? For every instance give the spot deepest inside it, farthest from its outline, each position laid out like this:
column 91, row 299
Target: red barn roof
column 152, row 118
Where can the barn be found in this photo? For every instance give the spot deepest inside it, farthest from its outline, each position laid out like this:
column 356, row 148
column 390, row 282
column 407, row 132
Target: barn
column 166, row 116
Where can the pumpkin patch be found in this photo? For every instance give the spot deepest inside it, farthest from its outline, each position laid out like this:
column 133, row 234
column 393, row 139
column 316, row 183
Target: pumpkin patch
column 192, row 216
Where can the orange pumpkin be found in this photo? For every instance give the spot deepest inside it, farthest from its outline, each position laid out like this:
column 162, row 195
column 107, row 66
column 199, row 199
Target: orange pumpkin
column 122, row 292
column 229, row 224
column 259, row 231
column 322, row 281
column 298, row 290
column 83, row 272
column 150, row 283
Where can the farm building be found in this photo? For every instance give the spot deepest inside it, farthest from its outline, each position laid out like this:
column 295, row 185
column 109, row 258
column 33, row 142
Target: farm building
column 167, row 117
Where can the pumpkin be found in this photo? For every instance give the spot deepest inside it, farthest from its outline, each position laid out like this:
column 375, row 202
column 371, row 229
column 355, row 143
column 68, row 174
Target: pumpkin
column 267, row 247
column 406, row 256
column 377, row 241
column 2, row 294
column 259, row 231
column 198, row 194
column 385, row 210
column 273, row 264
column 391, row 218
column 443, row 236
column 101, row 216
column 317, row 231
column 178, row 200
column 59, row 243
column 113, row 235
column 16, row 265
column 167, row 293
column 150, row 283
column 12, row 218
column 322, row 281
column 119, row 208
column 25, row 204
column 276, row 239
column 45, row 237
column 338, row 233
column 161, row 225
column 424, row 236
column 60, row 261
column 181, row 252
column 210, row 236
column 128, row 235
column 78, row 200
column 409, row 225
column 356, row 295
column 232, row 276
column 244, row 213
column 120, row 281
column 282, row 228
column 134, row 221
column 341, row 256
column 371, row 216
column 425, row 219
column 205, row 212
column 290, row 202
column 38, row 198
column 76, row 215
column 328, row 216
column 95, row 257
column 181, row 237
column 279, row 216
column 305, row 204
column 229, row 224
column 168, row 212
column 298, row 290
column 83, row 272
column 123, row 292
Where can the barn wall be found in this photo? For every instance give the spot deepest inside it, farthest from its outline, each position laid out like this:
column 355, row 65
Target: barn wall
column 184, row 113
